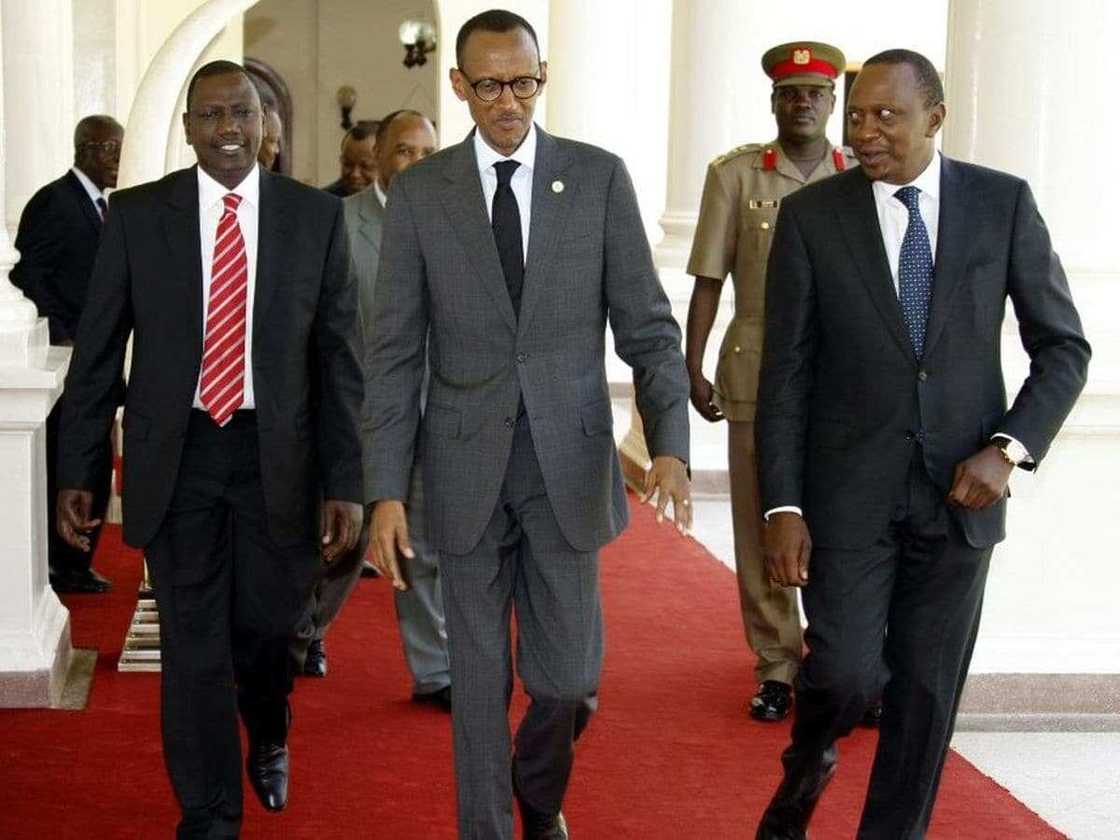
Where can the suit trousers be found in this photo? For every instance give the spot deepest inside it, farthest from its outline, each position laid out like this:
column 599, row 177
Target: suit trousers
column 771, row 618
column 63, row 557
column 228, row 598
column 899, row 617
column 420, row 616
column 522, row 565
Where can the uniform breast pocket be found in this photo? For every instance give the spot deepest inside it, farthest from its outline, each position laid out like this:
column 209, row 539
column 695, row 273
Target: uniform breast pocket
column 757, row 226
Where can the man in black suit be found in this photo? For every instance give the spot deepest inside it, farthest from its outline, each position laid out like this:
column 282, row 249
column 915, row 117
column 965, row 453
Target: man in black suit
column 59, row 231
column 242, row 414
column 357, row 160
column 884, row 431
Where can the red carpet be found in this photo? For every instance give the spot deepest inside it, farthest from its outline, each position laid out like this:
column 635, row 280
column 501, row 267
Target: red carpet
column 671, row 755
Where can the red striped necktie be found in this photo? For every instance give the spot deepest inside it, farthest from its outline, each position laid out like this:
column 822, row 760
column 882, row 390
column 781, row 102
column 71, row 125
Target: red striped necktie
column 222, row 388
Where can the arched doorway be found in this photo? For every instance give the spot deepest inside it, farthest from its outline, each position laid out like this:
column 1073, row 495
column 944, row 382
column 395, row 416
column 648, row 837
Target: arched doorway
column 275, row 90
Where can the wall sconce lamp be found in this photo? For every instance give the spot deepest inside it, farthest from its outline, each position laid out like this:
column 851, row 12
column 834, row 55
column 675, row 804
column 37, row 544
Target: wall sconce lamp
column 418, row 37
column 346, row 97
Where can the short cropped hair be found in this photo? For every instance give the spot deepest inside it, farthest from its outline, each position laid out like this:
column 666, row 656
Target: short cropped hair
column 386, row 121
column 361, row 130
column 221, row 67
column 495, row 20
column 928, row 79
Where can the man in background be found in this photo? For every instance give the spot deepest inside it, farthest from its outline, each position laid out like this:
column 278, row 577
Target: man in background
column 403, row 138
column 59, row 232
column 357, row 162
column 271, row 139
column 740, row 203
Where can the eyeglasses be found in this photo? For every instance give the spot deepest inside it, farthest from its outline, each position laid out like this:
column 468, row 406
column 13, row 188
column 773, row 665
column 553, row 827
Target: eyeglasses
column 490, row 90
column 107, row 147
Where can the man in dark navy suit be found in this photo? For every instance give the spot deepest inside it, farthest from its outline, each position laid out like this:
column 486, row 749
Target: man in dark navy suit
column 58, row 236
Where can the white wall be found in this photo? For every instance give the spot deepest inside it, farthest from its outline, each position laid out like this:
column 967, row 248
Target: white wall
column 319, row 45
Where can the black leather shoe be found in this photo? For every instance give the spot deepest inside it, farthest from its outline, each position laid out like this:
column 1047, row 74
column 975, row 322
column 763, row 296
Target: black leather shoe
column 86, row 581
column 440, row 697
column 788, row 814
column 772, row 701
column 536, row 825
column 872, row 715
column 369, row 570
column 315, row 665
column 267, row 767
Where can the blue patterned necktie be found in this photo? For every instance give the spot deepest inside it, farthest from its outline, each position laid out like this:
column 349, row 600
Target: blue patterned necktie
column 915, row 271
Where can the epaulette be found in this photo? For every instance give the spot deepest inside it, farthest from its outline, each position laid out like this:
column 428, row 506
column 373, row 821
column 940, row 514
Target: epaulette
column 734, row 153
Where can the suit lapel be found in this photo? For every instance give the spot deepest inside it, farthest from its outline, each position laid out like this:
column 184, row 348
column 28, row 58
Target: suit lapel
column 88, row 210
column 275, row 233
column 859, row 221
column 372, row 217
column 546, row 220
column 184, row 293
column 466, row 208
column 953, row 246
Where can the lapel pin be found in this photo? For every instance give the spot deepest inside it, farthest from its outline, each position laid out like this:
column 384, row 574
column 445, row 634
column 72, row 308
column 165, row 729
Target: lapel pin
column 558, row 186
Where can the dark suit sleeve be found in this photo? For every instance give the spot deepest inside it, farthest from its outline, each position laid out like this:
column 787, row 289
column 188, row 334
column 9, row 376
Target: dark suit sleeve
column 786, row 376
column 92, row 383
column 646, row 336
column 1050, row 329
column 338, row 344
column 395, row 354
column 41, row 232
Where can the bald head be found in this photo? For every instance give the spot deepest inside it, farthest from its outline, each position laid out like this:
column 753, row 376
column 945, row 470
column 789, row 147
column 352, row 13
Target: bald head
column 97, row 149
column 403, row 138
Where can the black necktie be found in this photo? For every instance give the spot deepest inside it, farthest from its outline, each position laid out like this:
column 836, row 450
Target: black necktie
column 102, row 208
column 505, row 219
column 915, row 271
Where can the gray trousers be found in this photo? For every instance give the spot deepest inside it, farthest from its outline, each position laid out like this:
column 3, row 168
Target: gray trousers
column 521, row 566
column 419, row 609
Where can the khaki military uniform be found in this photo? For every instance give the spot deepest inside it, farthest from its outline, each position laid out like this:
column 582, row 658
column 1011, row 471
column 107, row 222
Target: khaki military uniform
column 737, row 214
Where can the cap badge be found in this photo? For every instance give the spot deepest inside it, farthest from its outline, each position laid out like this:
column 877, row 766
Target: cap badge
column 558, row 186
column 802, row 56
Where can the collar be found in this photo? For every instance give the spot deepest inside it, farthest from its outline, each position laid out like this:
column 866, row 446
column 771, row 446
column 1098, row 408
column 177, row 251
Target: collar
column 210, row 192
column 380, row 193
column 525, row 154
column 929, row 181
column 87, row 183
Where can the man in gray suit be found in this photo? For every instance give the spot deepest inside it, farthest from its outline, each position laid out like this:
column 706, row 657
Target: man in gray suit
column 503, row 258
column 403, row 138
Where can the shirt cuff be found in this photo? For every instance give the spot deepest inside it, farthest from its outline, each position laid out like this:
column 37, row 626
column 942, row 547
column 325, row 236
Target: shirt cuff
column 783, row 509
column 1028, row 459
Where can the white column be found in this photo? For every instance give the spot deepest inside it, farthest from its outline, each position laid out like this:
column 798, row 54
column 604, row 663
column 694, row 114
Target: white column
column 1028, row 92
column 39, row 83
column 34, row 626
column 609, row 83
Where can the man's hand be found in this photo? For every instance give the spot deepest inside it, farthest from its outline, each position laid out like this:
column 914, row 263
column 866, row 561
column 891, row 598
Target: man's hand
column 388, row 536
column 980, row 481
column 786, row 547
column 72, row 509
column 701, row 393
column 669, row 478
column 341, row 525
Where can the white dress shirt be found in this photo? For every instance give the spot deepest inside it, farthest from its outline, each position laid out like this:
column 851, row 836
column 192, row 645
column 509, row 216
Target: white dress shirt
column 893, row 221
column 210, row 209
column 91, row 188
column 380, row 193
column 521, row 183
column 894, row 218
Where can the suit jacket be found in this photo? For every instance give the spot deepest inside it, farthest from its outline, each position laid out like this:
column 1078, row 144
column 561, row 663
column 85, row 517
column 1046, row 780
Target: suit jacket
column 58, row 235
column 441, row 279
column 305, row 355
column 365, row 218
column 842, row 399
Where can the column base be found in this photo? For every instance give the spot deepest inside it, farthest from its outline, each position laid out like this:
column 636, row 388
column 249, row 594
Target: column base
column 673, row 250
column 35, row 667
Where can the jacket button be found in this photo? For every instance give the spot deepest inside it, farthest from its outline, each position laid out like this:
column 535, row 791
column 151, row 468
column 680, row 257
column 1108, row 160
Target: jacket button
column 765, row 226
column 738, row 349
column 521, row 357
column 909, row 435
column 922, row 376
column 509, row 422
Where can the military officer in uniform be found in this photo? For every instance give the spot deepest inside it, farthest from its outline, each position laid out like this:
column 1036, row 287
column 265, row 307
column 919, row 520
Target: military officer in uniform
column 737, row 214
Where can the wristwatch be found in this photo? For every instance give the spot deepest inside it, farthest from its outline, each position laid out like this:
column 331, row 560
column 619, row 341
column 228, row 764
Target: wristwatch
column 1012, row 451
